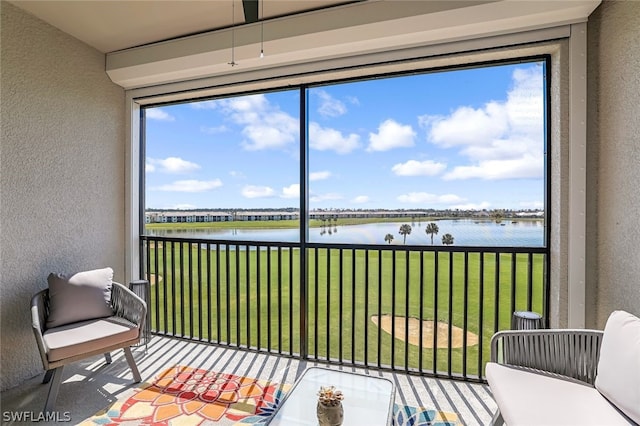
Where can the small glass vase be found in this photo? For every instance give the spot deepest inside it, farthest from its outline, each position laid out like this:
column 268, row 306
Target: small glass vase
column 330, row 415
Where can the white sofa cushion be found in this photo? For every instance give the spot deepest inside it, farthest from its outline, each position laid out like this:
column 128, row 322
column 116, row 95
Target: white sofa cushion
column 618, row 376
column 79, row 297
column 527, row 398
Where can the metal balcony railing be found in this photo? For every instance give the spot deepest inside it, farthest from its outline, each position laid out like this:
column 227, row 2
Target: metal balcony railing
column 421, row 309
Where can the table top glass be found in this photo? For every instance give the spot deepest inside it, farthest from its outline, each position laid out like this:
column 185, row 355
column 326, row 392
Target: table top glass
column 368, row 400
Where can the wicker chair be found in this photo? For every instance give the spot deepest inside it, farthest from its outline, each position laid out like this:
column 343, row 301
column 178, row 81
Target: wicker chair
column 569, row 353
column 565, row 353
column 567, row 376
column 65, row 344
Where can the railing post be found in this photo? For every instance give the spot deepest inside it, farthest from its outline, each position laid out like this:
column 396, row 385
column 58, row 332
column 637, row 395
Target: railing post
column 142, row 289
column 304, row 235
column 464, row 281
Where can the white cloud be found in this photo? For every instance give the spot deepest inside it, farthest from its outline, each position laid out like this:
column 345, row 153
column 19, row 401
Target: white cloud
column 526, row 167
column 418, row 168
column 424, row 197
column 265, row 125
column 467, row 126
column 175, row 165
column 183, row 207
column 205, row 105
column 391, row 134
column 329, row 106
column 214, row 130
column 472, row 206
column 237, row 175
column 291, row 191
column 319, row 175
column 360, row 199
column 253, row 191
column 326, row 139
column 190, row 186
column 325, row 197
column 158, row 114
column 502, row 139
column 265, row 136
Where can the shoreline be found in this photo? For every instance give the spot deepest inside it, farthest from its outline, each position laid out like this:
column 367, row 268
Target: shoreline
column 316, row 223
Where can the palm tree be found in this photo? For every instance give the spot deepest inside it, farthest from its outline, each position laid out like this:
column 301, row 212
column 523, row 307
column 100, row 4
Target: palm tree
column 498, row 215
column 432, row 229
column 447, row 239
column 404, row 231
column 388, row 238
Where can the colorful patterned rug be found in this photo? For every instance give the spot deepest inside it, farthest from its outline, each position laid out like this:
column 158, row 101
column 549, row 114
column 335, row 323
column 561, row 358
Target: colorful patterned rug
column 189, row 396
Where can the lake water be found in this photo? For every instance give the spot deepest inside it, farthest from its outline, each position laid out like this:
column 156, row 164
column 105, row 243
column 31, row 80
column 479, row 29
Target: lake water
column 466, row 232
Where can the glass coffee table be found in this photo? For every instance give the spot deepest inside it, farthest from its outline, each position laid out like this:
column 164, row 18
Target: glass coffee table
column 368, row 400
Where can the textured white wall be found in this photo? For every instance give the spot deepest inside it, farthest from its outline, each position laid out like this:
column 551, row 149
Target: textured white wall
column 61, row 171
column 613, row 160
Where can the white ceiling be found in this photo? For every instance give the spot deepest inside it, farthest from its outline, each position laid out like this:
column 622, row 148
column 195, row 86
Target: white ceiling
column 116, row 25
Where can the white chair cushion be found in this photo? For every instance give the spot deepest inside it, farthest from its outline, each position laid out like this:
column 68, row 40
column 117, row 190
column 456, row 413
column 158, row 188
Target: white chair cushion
column 527, row 398
column 82, row 296
column 618, row 376
column 85, row 337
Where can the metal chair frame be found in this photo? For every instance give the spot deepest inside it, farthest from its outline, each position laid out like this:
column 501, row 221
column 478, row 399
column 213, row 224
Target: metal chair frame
column 125, row 304
column 570, row 353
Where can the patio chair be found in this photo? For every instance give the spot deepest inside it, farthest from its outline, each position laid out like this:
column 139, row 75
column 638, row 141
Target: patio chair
column 83, row 316
column 560, row 377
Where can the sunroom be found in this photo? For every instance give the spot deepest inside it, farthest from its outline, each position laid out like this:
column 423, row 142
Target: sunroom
column 79, row 77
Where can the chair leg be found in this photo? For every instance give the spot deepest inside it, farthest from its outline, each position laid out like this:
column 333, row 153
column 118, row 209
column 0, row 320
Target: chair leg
column 53, row 389
column 107, row 357
column 497, row 419
column 47, row 376
column 132, row 365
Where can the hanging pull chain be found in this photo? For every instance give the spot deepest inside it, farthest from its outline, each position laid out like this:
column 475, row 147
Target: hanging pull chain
column 233, row 33
column 262, row 28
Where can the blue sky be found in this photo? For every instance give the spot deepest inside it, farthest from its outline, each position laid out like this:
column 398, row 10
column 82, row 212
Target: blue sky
column 468, row 139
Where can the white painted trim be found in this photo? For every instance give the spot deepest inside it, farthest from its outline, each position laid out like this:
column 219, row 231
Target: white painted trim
column 577, row 175
column 351, row 30
column 132, row 191
column 375, row 63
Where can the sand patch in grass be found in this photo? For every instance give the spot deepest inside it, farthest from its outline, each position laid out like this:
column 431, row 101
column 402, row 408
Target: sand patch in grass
column 153, row 279
column 400, row 323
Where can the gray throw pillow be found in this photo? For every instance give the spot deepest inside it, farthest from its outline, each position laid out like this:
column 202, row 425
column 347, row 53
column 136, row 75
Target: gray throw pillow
column 82, row 296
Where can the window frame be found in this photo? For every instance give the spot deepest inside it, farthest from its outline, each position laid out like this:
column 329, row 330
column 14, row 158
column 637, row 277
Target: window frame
column 566, row 127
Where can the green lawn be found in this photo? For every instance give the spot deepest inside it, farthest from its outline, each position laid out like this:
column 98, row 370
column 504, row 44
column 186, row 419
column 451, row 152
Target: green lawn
column 230, row 297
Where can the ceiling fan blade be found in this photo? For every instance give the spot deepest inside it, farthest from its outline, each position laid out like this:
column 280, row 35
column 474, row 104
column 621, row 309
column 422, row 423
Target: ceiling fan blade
column 250, row 10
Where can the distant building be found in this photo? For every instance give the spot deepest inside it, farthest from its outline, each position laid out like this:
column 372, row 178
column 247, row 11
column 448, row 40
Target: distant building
column 266, row 215
column 531, row 214
column 188, row 216
column 350, row 214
